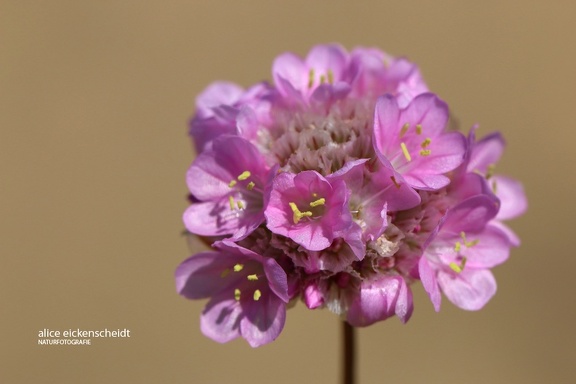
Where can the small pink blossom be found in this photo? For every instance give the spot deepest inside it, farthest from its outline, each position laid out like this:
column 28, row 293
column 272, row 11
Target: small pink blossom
column 413, row 141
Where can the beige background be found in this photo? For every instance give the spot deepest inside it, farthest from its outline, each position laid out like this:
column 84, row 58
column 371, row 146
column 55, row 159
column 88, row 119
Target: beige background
column 94, row 101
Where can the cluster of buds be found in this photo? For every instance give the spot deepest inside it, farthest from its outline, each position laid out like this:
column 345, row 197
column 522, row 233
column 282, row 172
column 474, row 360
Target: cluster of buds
column 340, row 185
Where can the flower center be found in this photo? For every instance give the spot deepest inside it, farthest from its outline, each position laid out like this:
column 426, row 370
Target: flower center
column 316, row 209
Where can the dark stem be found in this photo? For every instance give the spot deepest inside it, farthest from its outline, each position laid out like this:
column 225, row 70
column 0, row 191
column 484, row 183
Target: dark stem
column 348, row 354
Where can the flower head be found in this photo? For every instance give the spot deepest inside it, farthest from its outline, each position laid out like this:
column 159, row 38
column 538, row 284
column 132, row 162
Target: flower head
column 341, row 185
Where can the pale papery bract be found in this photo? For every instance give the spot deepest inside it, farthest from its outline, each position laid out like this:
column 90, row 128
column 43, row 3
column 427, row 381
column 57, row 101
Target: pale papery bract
column 339, row 184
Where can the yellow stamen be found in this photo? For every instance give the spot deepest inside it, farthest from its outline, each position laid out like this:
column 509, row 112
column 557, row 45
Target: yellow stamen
column 318, row 202
column 238, row 267
column 252, row 277
column 490, row 171
column 472, row 243
column 494, row 186
column 322, row 79
column 404, row 129
column 250, row 186
column 225, row 273
column 457, row 247
column 232, row 184
column 419, row 129
column 311, row 78
column 426, row 142
column 468, row 244
column 425, row 152
column 231, row 200
column 330, row 76
column 455, row 267
column 240, row 204
column 244, row 175
column 405, row 152
column 458, row 268
column 237, row 294
column 257, row 295
column 297, row 214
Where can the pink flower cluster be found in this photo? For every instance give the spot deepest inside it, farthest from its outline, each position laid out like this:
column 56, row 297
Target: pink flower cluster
column 340, row 185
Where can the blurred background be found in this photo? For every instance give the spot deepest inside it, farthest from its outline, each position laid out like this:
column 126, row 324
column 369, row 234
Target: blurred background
column 94, row 102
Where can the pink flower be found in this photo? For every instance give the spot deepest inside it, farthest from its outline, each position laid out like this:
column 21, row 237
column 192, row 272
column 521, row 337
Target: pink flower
column 309, row 209
column 230, row 182
column 374, row 191
column 460, row 252
column 226, row 109
column 413, row 140
column 322, row 76
column 377, row 73
column 248, row 293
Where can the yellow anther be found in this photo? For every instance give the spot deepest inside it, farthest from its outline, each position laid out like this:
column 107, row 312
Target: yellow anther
column 405, row 151
column 311, row 78
column 494, row 186
column 404, row 129
column 419, row 129
column 253, row 277
column 237, row 294
column 458, row 268
column 225, row 273
column 426, row 142
column 394, row 181
column 238, row 267
column 322, row 79
column 240, row 204
column 457, row 247
column 257, row 295
column 472, row 243
column 244, row 175
column 232, row 184
column 330, row 76
column 468, row 244
column 231, row 201
column 318, row 202
column 297, row 214
column 490, row 171
column 425, row 152
column 455, row 267
column 250, row 186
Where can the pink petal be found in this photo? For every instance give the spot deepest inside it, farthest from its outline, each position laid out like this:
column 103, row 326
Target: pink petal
column 289, row 69
column 264, row 320
column 199, row 276
column 486, row 152
column 331, row 57
column 211, row 219
column 429, row 111
column 512, row 197
column 216, row 94
column 470, row 289
column 429, row 282
column 386, row 124
column 221, row 318
column 378, row 300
